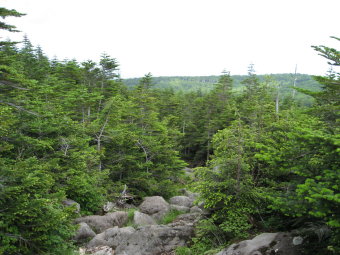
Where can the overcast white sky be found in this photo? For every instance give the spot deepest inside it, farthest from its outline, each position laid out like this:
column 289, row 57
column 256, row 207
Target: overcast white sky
column 183, row 37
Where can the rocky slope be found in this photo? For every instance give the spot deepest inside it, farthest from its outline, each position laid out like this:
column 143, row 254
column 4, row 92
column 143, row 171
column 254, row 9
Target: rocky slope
column 108, row 234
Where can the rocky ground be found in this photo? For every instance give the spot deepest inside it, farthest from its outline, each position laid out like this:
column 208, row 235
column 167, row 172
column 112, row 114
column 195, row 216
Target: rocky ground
column 139, row 231
column 109, row 234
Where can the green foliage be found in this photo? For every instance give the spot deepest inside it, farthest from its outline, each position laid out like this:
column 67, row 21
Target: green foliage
column 182, row 250
column 130, row 221
column 170, row 216
column 267, row 163
column 33, row 219
column 229, row 186
column 89, row 132
column 73, row 130
column 327, row 99
column 313, row 190
column 208, row 236
column 5, row 13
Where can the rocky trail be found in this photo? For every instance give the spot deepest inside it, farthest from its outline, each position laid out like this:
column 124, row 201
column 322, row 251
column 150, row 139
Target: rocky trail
column 139, row 231
column 115, row 234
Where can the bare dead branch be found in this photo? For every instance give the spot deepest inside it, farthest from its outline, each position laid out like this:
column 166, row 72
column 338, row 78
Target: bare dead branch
column 11, row 84
column 20, row 108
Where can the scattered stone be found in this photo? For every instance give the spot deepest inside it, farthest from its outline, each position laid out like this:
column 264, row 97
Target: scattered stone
column 70, row 202
column 84, row 233
column 101, row 223
column 182, row 201
column 297, row 240
column 263, row 244
column 155, row 206
column 142, row 219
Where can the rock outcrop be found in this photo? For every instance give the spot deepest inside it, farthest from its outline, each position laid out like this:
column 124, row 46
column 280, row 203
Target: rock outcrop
column 182, row 201
column 111, row 237
column 183, row 209
column 100, row 250
column 142, row 219
column 148, row 238
column 155, row 206
column 196, row 209
column 101, row 223
column 191, row 195
column 84, row 233
column 155, row 239
column 264, row 244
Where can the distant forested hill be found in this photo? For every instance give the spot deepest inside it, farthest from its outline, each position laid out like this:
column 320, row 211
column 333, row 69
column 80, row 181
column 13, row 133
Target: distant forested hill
column 206, row 83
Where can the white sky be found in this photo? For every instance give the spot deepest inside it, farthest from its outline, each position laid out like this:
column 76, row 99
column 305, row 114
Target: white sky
column 183, row 37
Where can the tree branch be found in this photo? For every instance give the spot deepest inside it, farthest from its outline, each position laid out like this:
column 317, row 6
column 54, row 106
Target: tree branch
column 20, row 108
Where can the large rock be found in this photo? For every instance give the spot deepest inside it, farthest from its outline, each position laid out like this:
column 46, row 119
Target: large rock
column 155, row 206
column 101, row 223
column 142, row 219
column 191, row 195
column 264, row 244
column 196, row 209
column 100, row 250
column 84, row 233
column 182, row 201
column 183, row 209
column 187, row 219
column 155, row 239
column 111, row 237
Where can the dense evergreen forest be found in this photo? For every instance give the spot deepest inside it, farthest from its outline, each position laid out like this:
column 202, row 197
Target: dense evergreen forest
column 266, row 157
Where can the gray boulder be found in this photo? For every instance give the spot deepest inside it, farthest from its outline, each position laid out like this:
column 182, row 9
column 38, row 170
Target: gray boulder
column 155, row 206
column 70, row 202
column 196, row 209
column 142, row 219
column 100, row 250
column 264, row 244
column 155, row 239
column 179, row 208
column 182, row 201
column 84, row 233
column 187, row 219
column 101, row 223
column 191, row 195
column 111, row 237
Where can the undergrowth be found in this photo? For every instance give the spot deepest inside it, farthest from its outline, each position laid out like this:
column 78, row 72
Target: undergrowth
column 170, row 217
